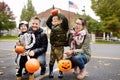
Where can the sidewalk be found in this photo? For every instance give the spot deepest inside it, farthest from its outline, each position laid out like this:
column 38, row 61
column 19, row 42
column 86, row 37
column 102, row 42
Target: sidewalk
column 98, row 69
column 104, row 64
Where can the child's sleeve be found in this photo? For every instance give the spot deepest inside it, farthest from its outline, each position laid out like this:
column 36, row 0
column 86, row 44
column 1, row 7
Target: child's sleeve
column 32, row 42
column 49, row 22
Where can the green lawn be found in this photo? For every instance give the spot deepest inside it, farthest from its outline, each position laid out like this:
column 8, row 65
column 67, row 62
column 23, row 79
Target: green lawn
column 8, row 37
column 106, row 42
column 97, row 41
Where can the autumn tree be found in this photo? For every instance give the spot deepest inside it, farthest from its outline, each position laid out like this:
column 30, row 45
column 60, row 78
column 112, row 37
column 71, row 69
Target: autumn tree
column 7, row 19
column 28, row 11
column 92, row 24
column 109, row 12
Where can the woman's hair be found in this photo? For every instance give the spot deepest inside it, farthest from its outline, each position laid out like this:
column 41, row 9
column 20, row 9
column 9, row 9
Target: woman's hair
column 84, row 22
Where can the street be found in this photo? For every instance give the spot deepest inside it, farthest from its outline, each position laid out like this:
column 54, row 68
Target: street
column 104, row 64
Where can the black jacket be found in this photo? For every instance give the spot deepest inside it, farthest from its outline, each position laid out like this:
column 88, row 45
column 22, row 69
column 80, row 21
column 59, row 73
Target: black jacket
column 41, row 43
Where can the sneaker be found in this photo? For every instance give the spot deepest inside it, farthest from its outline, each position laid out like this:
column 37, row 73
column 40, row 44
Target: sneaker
column 60, row 74
column 18, row 74
column 82, row 74
column 51, row 75
column 25, row 72
column 43, row 70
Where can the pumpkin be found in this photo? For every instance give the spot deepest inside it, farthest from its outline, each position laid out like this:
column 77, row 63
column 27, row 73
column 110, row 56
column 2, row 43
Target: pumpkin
column 32, row 65
column 19, row 49
column 54, row 12
column 64, row 65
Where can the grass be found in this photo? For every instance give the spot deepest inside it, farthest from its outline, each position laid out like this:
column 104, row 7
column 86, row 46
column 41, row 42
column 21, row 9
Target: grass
column 97, row 41
column 8, row 37
column 106, row 42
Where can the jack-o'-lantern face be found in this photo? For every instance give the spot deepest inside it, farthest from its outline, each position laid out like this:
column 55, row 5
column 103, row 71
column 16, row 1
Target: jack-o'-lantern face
column 64, row 65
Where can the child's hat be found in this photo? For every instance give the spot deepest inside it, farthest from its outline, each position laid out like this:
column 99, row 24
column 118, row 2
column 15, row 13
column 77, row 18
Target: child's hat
column 23, row 22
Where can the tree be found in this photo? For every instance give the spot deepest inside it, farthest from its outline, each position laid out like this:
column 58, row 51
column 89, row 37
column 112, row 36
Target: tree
column 92, row 24
column 109, row 12
column 28, row 12
column 7, row 19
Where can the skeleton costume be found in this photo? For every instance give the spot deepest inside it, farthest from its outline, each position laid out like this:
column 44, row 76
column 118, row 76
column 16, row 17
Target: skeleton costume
column 27, row 39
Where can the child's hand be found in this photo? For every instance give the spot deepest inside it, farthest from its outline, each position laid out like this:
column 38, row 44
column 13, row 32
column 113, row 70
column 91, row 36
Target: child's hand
column 31, row 53
column 18, row 44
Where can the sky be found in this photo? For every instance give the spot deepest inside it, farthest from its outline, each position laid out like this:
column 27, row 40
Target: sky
column 41, row 5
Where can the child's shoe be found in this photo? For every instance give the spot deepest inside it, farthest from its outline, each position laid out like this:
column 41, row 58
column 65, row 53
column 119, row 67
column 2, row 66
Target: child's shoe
column 60, row 74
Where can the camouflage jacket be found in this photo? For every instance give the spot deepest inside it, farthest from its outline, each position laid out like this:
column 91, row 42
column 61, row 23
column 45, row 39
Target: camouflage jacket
column 58, row 36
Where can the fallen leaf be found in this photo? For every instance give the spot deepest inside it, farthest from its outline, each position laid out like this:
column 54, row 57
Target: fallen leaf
column 107, row 64
column 118, row 74
column 1, row 73
column 4, row 67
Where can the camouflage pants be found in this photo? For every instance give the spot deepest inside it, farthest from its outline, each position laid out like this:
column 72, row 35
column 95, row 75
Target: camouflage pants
column 56, row 53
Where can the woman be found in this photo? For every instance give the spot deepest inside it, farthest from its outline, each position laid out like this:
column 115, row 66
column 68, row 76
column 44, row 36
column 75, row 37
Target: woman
column 79, row 41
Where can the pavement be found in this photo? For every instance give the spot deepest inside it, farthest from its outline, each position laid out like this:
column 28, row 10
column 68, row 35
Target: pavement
column 104, row 64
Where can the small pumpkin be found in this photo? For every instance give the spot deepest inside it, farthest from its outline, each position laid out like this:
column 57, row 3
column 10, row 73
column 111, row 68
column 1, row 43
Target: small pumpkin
column 32, row 65
column 19, row 49
column 54, row 12
column 64, row 65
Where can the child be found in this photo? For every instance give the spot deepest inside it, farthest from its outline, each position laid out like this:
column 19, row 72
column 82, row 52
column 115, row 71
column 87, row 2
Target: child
column 59, row 27
column 26, row 39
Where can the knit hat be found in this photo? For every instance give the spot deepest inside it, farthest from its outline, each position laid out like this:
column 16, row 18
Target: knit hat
column 23, row 22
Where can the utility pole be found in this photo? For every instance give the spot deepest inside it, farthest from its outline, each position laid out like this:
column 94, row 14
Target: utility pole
column 83, row 10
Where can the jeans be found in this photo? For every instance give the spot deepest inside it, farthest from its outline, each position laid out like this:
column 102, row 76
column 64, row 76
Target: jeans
column 42, row 60
column 79, row 60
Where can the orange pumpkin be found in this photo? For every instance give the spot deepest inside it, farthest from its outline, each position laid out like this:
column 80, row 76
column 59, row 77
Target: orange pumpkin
column 32, row 65
column 54, row 12
column 19, row 49
column 64, row 65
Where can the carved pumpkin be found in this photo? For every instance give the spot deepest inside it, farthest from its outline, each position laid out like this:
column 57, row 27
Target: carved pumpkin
column 54, row 12
column 19, row 49
column 32, row 65
column 64, row 65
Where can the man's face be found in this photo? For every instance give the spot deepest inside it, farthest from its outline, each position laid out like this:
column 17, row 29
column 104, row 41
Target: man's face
column 35, row 24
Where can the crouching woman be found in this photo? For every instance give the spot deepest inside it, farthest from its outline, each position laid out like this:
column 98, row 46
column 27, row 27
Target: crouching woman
column 79, row 52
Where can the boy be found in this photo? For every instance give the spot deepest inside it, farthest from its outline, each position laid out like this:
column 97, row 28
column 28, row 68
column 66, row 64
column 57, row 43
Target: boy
column 59, row 27
column 26, row 39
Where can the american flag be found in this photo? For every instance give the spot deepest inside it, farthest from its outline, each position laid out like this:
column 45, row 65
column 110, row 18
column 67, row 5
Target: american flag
column 72, row 5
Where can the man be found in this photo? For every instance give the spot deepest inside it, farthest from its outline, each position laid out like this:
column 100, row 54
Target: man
column 40, row 47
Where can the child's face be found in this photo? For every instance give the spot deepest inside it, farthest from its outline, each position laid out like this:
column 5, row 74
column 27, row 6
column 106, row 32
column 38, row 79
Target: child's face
column 56, row 21
column 23, row 28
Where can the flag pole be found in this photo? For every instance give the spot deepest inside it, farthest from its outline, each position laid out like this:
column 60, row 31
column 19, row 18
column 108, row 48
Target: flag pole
column 69, row 12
